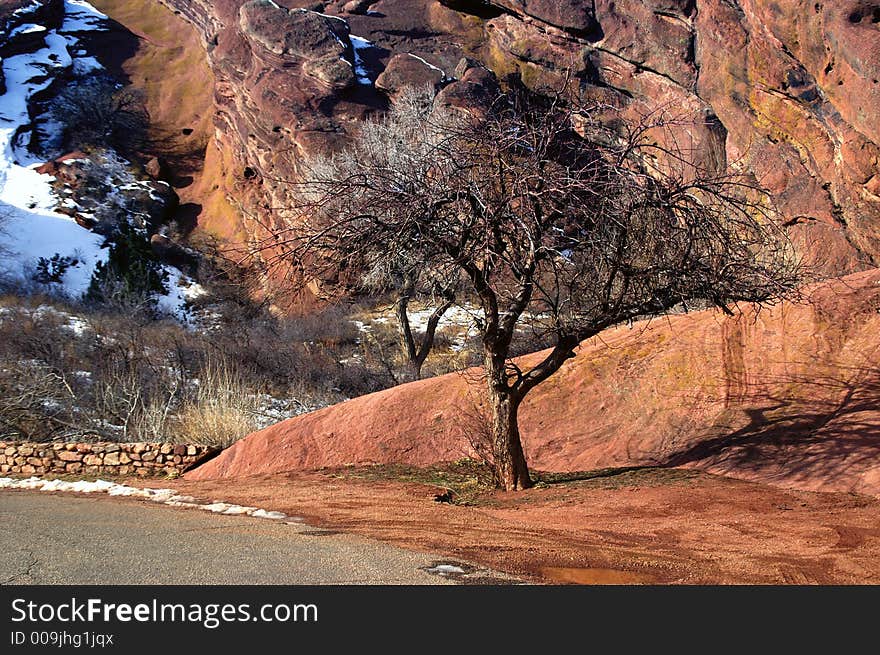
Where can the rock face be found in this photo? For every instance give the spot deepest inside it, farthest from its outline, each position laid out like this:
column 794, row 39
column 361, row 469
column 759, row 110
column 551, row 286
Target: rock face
column 787, row 396
column 408, row 70
column 787, row 92
column 300, row 36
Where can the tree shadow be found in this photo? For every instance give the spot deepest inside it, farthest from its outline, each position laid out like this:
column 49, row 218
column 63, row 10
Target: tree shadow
column 551, row 478
column 826, row 425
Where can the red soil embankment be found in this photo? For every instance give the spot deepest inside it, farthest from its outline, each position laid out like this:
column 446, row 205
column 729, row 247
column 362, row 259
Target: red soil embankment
column 787, row 395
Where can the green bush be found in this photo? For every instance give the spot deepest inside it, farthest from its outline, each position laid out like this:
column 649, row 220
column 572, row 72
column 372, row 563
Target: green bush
column 132, row 276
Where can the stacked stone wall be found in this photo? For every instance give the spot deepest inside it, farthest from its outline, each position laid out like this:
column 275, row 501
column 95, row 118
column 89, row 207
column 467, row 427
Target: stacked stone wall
column 112, row 459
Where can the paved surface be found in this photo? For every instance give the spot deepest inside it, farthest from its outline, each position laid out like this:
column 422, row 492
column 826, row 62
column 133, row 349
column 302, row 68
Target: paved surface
column 65, row 539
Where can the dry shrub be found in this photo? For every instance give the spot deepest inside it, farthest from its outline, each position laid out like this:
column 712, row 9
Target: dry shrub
column 33, row 402
column 222, row 410
column 474, row 422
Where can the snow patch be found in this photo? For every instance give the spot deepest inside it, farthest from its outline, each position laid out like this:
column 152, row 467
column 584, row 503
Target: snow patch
column 27, row 28
column 76, row 324
column 263, row 514
column 181, row 291
column 446, row 569
column 29, row 9
column 358, row 45
column 428, row 64
column 164, row 496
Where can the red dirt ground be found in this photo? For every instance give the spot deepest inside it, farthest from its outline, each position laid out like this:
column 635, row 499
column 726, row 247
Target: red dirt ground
column 651, row 526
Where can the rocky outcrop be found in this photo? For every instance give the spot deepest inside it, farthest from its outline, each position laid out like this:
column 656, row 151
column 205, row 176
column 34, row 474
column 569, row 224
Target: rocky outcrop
column 786, row 396
column 299, row 37
column 100, row 190
column 408, row 70
column 788, row 95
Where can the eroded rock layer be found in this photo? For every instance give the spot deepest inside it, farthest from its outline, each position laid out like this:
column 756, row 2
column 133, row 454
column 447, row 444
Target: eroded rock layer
column 787, row 91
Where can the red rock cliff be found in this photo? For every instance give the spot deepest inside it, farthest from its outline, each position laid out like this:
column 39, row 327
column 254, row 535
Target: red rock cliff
column 787, row 90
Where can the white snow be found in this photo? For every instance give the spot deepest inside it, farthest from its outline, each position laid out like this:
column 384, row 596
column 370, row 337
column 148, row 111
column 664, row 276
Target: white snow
column 446, row 569
column 164, row 496
column 27, row 28
column 428, row 64
column 238, row 510
column 359, row 44
column 80, row 16
column 323, row 15
column 181, row 291
column 82, row 66
column 459, row 318
column 76, row 324
column 217, row 507
column 31, row 226
column 27, row 10
column 263, row 514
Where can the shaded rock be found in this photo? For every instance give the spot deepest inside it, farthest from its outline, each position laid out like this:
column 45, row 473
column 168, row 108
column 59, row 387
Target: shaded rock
column 358, row 6
column 330, row 70
column 463, row 66
column 300, row 35
column 69, row 168
column 156, row 169
column 408, row 70
column 573, row 15
column 175, row 254
column 657, row 35
column 476, row 89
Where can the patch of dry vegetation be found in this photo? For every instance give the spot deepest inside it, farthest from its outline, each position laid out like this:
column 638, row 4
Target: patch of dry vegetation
column 67, row 372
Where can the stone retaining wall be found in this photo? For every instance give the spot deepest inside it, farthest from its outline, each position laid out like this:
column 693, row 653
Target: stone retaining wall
column 115, row 459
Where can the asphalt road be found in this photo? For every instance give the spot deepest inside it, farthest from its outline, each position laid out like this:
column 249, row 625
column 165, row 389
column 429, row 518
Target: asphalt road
column 65, row 539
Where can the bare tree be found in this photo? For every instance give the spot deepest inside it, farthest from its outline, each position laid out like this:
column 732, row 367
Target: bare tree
column 98, row 113
column 552, row 221
column 399, row 146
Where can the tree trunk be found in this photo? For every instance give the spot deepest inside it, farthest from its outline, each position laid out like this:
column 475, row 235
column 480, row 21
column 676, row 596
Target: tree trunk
column 406, row 337
column 510, row 467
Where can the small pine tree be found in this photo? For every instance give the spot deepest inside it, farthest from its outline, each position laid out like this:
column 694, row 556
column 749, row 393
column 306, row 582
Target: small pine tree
column 52, row 270
column 132, row 276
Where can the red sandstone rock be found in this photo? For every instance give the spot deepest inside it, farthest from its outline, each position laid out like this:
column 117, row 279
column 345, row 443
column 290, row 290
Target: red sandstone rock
column 408, row 70
column 574, row 15
column 787, row 92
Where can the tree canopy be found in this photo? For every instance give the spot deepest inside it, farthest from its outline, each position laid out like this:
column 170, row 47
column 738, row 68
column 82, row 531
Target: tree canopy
column 545, row 215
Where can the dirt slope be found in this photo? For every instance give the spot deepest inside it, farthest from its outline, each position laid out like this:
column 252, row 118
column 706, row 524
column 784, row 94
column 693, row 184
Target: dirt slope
column 787, row 396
